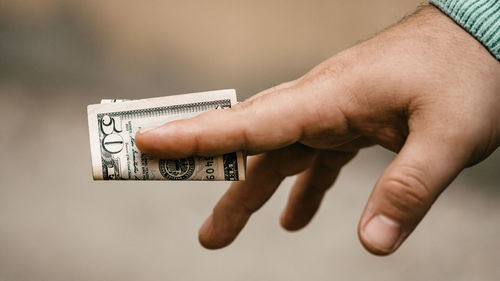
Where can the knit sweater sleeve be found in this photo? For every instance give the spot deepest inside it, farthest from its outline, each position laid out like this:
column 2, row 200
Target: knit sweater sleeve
column 481, row 18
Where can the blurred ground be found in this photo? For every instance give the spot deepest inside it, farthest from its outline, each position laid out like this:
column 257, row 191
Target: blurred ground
column 57, row 224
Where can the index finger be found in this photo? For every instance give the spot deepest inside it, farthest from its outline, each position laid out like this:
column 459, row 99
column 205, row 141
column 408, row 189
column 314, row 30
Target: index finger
column 265, row 123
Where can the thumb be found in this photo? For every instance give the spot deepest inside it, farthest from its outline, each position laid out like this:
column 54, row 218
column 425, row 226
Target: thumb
column 425, row 166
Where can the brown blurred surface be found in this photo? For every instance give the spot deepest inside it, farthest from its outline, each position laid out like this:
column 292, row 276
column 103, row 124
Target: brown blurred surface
column 57, row 224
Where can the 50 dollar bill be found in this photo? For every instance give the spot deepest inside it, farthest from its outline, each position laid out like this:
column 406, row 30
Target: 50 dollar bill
column 114, row 123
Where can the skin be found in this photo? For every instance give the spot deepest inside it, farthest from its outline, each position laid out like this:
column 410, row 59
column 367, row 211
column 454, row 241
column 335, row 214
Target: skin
column 424, row 88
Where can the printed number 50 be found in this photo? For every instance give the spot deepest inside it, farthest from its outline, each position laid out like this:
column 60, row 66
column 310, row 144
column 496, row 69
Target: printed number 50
column 112, row 143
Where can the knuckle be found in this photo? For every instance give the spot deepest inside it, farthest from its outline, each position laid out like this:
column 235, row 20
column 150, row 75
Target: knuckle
column 328, row 70
column 248, row 208
column 278, row 172
column 407, row 190
column 283, row 86
column 242, row 106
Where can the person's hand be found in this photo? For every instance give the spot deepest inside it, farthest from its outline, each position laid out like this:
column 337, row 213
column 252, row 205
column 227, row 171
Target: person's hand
column 424, row 88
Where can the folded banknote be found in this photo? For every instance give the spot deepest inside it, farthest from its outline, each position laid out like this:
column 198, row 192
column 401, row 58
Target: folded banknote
column 114, row 123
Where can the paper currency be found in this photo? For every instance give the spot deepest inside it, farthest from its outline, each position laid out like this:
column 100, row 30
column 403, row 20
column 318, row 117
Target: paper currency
column 114, row 123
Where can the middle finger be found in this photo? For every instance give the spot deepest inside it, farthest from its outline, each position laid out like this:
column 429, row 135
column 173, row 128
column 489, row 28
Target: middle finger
column 264, row 174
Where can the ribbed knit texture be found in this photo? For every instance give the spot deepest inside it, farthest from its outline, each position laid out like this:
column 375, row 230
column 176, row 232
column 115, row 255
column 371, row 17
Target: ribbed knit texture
column 481, row 18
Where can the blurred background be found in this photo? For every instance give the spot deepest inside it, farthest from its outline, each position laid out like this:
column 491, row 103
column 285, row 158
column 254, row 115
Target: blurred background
column 56, row 223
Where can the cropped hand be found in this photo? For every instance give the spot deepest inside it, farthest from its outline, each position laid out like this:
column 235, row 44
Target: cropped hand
column 424, row 89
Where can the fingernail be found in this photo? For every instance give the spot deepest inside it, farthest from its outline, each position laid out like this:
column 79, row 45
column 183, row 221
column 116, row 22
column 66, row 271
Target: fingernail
column 382, row 233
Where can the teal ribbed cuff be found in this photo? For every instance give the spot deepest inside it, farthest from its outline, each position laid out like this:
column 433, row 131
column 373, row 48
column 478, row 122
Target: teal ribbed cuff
column 481, row 18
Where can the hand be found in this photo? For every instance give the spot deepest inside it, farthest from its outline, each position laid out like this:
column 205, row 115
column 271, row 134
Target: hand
column 424, row 88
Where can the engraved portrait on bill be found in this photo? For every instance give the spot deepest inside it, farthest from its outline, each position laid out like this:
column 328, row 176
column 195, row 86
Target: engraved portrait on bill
column 114, row 123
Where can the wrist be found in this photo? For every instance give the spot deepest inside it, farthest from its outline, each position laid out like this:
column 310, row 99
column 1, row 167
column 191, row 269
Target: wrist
column 481, row 18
